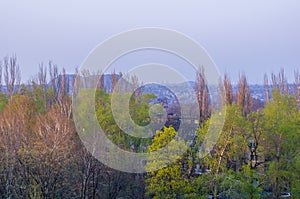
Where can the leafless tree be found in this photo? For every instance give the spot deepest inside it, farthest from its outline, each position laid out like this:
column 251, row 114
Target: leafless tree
column 202, row 94
column 89, row 79
column 297, row 85
column 243, row 96
column 120, row 84
column 134, row 83
column 114, row 80
column 75, row 82
column 280, row 82
column 14, row 135
column 266, row 84
column 53, row 144
column 101, row 82
column 42, row 81
column 53, row 72
column 12, row 75
column 225, row 88
column 62, row 82
column 42, row 75
column 85, row 78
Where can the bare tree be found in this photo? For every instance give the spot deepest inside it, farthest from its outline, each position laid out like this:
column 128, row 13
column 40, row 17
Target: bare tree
column 202, row 94
column 225, row 88
column 15, row 134
column 12, row 75
column 42, row 75
column 120, row 84
column 62, row 82
column 297, row 85
column 54, row 143
column 101, row 82
column 134, row 83
column 42, row 81
column 89, row 79
column 114, row 80
column 280, row 82
column 243, row 95
column 53, row 72
column 266, row 84
column 86, row 78
column 75, row 82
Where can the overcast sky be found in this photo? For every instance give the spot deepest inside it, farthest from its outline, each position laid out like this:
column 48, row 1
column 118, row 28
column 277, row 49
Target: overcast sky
column 256, row 37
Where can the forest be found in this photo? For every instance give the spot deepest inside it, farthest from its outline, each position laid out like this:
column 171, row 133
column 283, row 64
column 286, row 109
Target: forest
column 41, row 155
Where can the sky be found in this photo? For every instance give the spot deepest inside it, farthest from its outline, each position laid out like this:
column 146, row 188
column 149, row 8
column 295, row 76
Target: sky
column 252, row 37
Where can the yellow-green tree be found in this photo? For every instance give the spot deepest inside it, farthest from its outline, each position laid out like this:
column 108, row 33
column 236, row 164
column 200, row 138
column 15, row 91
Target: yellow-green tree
column 170, row 181
column 282, row 143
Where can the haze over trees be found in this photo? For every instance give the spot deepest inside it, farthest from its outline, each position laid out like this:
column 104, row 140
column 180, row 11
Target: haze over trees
column 41, row 156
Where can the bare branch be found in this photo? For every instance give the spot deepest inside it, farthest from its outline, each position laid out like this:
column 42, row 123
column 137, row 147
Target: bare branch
column 12, row 75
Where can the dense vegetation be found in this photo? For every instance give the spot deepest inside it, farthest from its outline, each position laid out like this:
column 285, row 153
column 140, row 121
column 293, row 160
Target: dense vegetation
column 41, row 155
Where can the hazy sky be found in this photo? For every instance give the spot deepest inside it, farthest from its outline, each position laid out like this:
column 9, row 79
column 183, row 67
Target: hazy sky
column 254, row 37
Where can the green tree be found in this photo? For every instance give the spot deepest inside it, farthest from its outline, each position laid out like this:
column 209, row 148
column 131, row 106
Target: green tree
column 170, row 181
column 282, row 143
column 227, row 155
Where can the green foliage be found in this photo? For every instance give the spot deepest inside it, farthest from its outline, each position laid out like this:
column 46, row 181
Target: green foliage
column 139, row 110
column 39, row 96
column 41, row 155
column 170, row 181
column 3, row 101
column 230, row 173
column 282, row 135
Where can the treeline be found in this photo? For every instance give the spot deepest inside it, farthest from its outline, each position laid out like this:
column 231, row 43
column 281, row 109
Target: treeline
column 257, row 154
column 41, row 155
